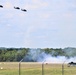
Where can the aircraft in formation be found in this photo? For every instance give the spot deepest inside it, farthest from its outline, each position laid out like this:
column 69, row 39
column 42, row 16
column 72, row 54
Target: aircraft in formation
column 16, row 8
column 19, row 9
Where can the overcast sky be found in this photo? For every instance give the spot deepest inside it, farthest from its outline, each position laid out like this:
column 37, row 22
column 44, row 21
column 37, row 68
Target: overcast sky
column 47, row 23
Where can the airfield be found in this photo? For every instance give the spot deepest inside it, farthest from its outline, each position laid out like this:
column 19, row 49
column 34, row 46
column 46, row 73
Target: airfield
column 35, row 68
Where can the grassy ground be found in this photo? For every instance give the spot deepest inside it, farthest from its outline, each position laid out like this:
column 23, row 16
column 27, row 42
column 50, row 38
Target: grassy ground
column 12, row 68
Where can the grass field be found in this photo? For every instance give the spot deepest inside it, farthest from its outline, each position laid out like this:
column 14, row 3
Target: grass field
column 31, row 68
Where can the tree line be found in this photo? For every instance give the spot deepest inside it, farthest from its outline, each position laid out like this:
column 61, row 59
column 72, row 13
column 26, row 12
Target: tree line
column 12, row 54
column 16, row 54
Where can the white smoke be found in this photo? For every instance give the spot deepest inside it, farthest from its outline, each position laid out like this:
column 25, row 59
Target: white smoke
column 58, row 59
column 38, row 55
column 70, row 51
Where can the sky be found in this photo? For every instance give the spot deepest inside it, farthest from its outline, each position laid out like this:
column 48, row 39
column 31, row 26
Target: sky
column 46, row 24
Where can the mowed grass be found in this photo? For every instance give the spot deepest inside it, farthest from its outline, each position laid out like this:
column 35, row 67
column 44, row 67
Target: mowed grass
column 33, row 68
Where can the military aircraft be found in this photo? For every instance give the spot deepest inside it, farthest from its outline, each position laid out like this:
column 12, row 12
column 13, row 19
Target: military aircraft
column 24, row 10
column 1, row 6
column 16, row 8
column 71, row 64
column 19, row 8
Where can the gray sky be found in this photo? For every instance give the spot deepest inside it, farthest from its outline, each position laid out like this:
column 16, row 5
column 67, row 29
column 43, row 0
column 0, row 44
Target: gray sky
column 47, row 23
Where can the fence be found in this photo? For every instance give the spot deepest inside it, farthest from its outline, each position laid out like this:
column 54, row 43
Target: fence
column 33, row 68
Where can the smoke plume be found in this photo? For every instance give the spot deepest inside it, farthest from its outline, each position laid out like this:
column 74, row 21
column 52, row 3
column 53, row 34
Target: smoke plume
column 37, row 55
column 70, row 52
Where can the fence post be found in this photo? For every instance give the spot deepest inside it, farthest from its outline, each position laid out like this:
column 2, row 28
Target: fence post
column 42, row 68
column 63, row 69
column 20, row 67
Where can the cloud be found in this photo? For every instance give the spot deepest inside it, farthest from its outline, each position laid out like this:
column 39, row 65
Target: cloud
column 8, row 5
column 68, row 16
column 8, row 25
column 36, row 4
column 39, row 2
column 45, row 15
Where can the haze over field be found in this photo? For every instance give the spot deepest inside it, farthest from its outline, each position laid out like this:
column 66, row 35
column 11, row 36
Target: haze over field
column 50, row 55
column 38, row 55
column 47, row 23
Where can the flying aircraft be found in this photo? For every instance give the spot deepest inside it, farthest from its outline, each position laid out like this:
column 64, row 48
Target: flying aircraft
column 1, row 6
column 24, row 10
column 16, row 8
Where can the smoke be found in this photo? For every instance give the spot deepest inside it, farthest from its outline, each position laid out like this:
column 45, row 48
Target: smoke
column 37, row 55
column 70, row 52
column 34, row 55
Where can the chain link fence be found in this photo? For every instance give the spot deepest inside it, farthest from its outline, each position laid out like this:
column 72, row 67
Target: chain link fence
column 34, row 68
